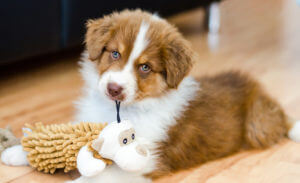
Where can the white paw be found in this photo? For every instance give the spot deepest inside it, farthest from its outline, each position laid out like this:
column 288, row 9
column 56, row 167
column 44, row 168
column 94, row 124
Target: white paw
column 87, row 165
column 14, row 156
column 294, row 132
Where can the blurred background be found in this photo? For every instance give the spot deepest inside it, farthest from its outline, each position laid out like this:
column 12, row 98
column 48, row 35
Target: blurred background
column 41, row 43
column 32, row 28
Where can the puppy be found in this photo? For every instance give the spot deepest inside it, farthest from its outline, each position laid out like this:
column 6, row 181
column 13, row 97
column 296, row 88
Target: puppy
column 144, row 62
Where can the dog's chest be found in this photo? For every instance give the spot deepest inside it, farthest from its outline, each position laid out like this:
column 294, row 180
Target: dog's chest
column 151, row 124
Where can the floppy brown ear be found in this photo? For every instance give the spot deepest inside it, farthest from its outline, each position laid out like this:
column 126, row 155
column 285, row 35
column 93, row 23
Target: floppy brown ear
column 179, row 58
column 97, row 144
column 97, row 36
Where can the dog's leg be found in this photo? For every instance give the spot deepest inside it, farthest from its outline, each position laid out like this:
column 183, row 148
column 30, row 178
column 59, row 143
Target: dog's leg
column 14, row 156
column 113, row 174
column 266, row 122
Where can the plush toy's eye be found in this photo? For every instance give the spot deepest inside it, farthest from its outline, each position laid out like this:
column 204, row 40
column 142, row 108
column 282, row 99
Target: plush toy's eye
column 125, row 141
column 115, row 55
column 133, row 136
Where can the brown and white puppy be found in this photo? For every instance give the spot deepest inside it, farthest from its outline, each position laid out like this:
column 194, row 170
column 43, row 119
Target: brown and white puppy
column 143, row 61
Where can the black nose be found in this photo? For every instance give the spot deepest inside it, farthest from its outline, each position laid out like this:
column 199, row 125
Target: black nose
column 114, row 90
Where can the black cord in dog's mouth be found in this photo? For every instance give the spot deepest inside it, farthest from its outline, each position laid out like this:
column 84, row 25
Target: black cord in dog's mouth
column 118, row 104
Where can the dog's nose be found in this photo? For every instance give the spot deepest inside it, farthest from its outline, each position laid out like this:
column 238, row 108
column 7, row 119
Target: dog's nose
column 114, row 89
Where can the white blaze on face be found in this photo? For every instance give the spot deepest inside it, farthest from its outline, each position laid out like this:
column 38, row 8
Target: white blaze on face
column 126, row 78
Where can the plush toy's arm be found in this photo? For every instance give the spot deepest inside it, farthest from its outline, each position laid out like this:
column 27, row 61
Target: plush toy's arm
column 87, row 165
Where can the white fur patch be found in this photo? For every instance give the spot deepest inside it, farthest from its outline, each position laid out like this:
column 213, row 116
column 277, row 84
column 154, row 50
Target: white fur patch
column 88, row 71
column 139, row 46
column 124, row 78
column 14, row 156
column 294, row 132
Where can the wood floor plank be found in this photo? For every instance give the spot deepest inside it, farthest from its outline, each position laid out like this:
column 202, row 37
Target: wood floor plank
column 8, row 173
column 37, row 177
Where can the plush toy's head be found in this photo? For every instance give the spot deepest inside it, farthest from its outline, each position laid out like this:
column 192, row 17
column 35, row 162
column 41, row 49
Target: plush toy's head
column 117, row 141
column 7, row 138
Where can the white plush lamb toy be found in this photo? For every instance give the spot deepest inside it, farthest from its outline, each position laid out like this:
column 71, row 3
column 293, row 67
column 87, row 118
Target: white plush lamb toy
column 117, row 142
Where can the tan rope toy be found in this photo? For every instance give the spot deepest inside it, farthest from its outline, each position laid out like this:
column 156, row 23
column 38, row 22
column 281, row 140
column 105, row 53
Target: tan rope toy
column 56, row 146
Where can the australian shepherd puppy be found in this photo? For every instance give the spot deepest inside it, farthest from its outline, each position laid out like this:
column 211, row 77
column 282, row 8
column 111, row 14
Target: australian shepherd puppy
column 144, row 62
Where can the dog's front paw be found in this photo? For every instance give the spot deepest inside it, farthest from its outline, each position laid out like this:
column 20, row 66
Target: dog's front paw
column 14, row 156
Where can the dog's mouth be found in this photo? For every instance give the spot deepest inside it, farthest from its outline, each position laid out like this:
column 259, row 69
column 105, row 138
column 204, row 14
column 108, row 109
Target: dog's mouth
column 118, row 98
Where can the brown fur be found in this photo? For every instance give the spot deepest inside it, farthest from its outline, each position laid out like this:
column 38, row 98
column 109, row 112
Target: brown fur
column 230, row 112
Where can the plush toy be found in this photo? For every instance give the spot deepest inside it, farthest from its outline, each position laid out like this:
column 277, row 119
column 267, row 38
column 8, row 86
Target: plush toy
column 86, row 146
column 7, row 139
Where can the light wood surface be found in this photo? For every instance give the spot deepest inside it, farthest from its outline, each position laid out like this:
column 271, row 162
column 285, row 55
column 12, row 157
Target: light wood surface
column 259, row 37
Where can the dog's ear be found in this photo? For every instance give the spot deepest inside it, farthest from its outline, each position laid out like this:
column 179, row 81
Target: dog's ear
column 97, row 144
column 97, row 35
column 178, row 57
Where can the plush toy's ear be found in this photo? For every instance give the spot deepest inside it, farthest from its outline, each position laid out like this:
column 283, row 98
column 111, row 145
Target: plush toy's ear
column 97, row 144
column 179, row 57
column 97, row 36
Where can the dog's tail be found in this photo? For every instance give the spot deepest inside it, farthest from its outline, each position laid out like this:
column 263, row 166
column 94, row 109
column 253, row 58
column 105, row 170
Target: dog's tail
column 294, row 129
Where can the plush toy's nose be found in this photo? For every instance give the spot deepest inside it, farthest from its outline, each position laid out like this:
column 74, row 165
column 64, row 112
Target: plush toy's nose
column 140, row 149
column 114, row 90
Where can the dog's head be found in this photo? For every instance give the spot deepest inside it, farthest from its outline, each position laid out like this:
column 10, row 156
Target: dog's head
column 138, row 55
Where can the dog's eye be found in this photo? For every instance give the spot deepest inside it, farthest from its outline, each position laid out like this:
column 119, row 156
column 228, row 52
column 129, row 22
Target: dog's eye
column 133, row 136
column 125, row 141
column 144, row 68
column 115, row 55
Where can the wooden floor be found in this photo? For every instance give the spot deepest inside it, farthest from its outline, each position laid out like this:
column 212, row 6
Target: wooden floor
column 259, row 37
